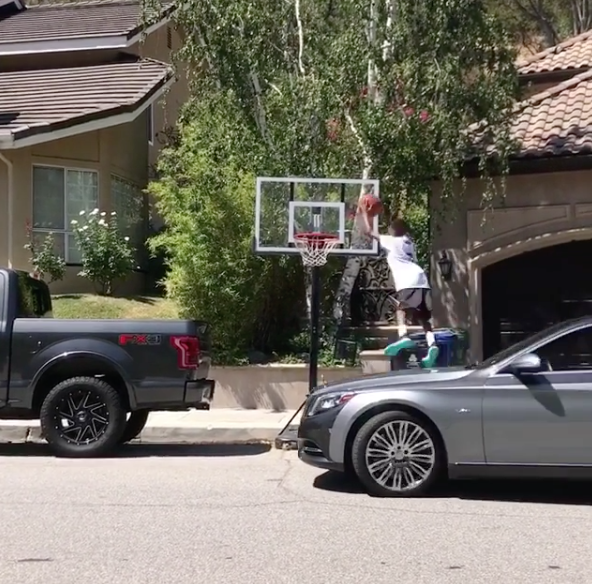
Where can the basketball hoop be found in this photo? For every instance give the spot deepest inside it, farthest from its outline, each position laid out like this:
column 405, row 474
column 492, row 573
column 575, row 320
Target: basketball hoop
column 315, row 247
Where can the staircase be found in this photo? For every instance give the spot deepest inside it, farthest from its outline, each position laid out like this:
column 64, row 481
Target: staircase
column 370, row 342
column 372, row 316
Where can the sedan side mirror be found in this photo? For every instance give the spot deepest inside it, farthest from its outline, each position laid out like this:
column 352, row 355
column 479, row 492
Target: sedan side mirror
column 529, row 363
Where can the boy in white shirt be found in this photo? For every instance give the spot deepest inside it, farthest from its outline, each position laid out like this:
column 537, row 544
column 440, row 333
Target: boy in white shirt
column 414, row 294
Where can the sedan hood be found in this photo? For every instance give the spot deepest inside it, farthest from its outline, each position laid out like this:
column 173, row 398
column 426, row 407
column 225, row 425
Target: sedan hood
column 427, row 377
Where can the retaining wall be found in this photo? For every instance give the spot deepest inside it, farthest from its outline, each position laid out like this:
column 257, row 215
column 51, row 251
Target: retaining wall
column 269, row 387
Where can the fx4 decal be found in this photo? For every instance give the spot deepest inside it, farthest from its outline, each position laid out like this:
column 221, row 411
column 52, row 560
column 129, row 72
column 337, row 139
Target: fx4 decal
column 140, row 339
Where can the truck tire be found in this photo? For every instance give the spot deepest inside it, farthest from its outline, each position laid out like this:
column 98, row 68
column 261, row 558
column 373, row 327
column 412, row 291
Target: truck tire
column 134, row 425
column 82, row 417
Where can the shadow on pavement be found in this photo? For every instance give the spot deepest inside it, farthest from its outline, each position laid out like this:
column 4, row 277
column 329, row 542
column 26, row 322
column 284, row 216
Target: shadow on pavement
column 149, row 450
column 523, row 491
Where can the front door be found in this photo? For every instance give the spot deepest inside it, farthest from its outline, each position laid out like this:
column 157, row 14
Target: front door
column 545, row 417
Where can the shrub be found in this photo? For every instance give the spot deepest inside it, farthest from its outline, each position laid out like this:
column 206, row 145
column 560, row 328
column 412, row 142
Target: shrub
column 206, row 197
column 107, row 255
column 418, row 219
column 45, row 260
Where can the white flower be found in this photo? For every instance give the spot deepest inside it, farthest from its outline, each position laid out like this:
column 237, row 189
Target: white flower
column 102, row 222
column 103, row 214
column 82, row 213
column 126, row 238
column 74, row 222
column 113, row 213
column 85, row 228
column 94, row 212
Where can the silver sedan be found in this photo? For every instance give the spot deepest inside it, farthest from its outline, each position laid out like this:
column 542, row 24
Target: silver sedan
column 526, row 412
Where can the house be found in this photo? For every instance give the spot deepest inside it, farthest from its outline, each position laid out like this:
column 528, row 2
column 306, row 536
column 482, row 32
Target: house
column 526, row 263
column 86, row 93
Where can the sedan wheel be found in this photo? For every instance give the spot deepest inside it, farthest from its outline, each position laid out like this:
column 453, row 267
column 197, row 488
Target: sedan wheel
column 396, row 455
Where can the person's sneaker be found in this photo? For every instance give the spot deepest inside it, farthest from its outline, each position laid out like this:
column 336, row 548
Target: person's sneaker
column 395, row 348
column 432, row 356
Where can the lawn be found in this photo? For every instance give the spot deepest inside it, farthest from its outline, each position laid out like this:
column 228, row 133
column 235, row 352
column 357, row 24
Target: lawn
column 93, row 306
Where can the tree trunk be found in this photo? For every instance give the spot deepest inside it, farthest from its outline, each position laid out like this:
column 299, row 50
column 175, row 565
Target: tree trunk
column 341, row 309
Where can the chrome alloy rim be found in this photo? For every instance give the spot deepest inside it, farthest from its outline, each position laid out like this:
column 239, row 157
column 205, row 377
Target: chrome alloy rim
column 400, row 456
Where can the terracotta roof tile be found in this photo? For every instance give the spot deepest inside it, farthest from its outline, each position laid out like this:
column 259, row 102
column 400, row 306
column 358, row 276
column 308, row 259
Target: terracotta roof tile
column 73, row 20
column 556, row 122
column 574, row 53
column 33, row 102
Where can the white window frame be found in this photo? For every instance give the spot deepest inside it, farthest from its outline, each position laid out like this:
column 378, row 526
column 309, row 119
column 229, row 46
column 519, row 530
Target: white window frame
column 67, row 231
column 150, row 122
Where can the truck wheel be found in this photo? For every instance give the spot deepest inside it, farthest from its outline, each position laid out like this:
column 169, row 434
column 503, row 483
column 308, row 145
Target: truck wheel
column 134, row 425
column 82, row 417
column 397, row 455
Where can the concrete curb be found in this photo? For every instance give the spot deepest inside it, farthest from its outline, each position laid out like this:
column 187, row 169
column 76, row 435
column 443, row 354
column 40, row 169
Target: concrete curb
column 10, row 433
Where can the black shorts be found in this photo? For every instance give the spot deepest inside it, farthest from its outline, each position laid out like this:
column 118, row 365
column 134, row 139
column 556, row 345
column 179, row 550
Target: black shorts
column 416, row 302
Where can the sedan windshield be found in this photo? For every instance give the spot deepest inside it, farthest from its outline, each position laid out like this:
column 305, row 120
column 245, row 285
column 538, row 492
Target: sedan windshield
column 519, row 346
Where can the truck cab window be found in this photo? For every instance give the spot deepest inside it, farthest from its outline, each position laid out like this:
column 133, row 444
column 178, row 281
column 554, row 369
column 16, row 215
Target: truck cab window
column 34, row 299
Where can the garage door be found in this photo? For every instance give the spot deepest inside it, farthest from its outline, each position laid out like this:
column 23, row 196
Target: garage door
column 526, row 293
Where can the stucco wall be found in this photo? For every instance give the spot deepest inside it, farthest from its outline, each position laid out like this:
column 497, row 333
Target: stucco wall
column 4, row 232
column 121, row 150
column 166, row 109
column 538, row 211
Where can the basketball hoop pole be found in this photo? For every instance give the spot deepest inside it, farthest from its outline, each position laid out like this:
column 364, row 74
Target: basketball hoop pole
column 315, row 310
column 315, row 248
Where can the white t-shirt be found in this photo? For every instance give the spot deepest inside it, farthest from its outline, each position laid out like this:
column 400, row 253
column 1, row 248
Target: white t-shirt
column 402, row 262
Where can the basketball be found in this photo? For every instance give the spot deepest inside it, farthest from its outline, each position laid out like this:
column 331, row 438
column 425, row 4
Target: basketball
column 372, row 205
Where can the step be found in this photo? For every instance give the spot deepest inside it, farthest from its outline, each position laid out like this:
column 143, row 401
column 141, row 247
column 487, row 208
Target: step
column 377, row 330
column 374, row 361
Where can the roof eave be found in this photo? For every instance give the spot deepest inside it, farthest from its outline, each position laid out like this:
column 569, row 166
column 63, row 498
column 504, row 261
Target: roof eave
column 102, row 42
column 33, row 135
column 18, row 4
column 555, row 76
column 536, row 163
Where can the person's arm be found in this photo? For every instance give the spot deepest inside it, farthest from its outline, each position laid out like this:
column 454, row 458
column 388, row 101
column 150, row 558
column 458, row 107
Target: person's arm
column 366, row 225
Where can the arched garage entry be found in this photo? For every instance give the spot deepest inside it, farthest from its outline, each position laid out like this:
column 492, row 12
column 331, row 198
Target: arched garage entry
column 525, row 293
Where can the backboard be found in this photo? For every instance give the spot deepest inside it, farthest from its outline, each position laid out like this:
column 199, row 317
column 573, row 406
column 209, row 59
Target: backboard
column 288, row 206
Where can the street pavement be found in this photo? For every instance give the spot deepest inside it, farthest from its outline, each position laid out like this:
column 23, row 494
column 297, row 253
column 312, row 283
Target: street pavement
column 244, row 514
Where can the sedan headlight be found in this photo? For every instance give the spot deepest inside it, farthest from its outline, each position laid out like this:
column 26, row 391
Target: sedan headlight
column 329, row 401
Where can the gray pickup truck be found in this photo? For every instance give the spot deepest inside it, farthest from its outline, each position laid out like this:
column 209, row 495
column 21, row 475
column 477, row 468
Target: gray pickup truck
column 92, row 383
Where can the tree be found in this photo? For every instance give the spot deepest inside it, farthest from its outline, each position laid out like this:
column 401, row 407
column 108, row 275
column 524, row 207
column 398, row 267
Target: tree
column 540, row 24
column 352, row 88
column 205, row 196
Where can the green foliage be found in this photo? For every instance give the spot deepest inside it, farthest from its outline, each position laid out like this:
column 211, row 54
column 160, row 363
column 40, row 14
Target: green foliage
column 45, row 260
column 418, row 219
column 317, row 88
column 206, row 198
column 539, row 24
column 107, row 255
column 435, row 67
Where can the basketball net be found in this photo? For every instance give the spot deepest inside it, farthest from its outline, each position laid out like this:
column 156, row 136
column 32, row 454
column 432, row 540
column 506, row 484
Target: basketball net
column 315, row 247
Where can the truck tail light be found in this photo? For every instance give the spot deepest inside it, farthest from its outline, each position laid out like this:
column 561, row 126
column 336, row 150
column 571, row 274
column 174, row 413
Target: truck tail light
column 187, row 351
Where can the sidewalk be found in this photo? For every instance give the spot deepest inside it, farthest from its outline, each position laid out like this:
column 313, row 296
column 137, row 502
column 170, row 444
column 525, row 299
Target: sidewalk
column 220, row 425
